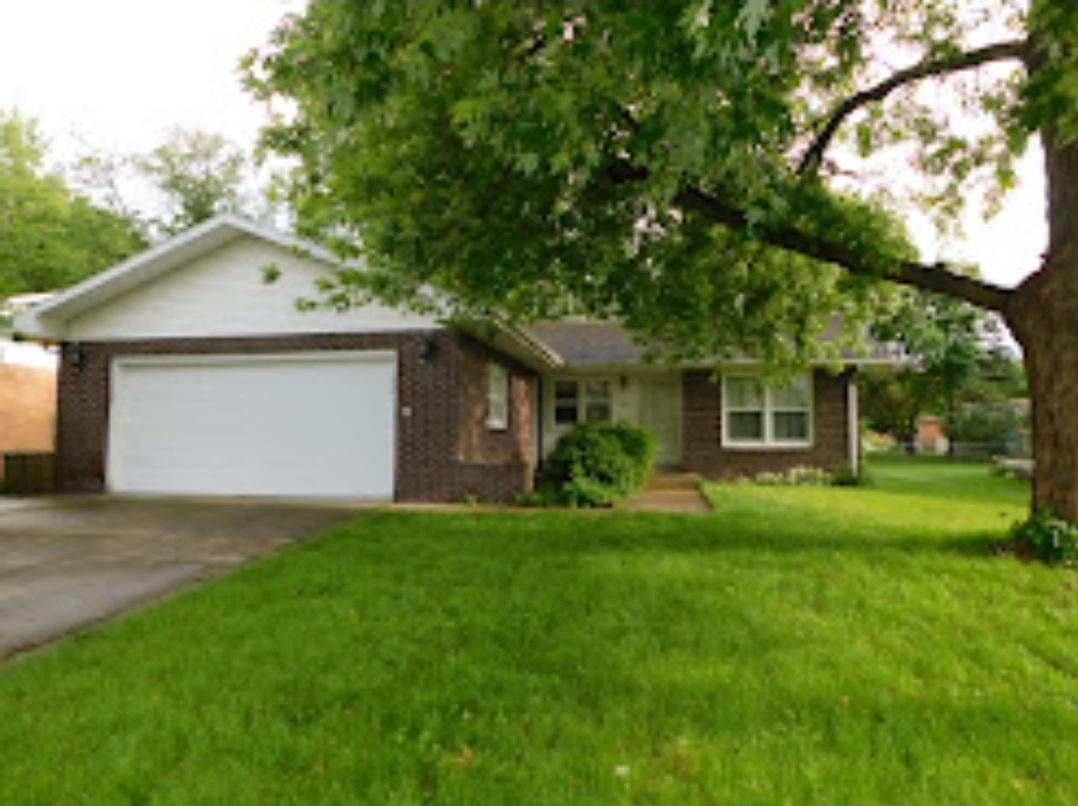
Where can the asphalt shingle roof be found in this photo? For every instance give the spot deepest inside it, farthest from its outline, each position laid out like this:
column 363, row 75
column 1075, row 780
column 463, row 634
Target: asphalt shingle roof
column 581, row 343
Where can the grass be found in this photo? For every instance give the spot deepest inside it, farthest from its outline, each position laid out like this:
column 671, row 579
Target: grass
column 798, row 646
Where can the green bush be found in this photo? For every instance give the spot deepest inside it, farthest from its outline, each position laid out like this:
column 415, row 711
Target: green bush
column 1048, row 538
column 995, row 427
column 847, row 476
column 793, row 477
column 597, row 464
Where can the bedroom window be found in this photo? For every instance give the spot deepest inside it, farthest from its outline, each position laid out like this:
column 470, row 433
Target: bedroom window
column 759, row 415
column 497, row 397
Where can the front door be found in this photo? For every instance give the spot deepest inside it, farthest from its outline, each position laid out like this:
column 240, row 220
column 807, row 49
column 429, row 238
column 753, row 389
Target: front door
column 659, row 411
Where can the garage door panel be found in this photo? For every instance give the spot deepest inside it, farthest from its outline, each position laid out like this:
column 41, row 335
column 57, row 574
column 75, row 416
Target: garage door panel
column 280, row 425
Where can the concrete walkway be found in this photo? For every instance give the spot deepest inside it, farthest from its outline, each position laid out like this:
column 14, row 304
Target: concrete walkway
column 670, row 492
column 70, row 561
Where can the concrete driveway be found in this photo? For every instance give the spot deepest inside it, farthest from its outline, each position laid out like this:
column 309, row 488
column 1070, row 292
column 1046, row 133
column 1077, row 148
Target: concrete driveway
column 74, row 560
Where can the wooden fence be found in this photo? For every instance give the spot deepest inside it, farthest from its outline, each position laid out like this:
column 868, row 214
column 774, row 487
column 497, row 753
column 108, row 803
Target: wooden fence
column 29, row 473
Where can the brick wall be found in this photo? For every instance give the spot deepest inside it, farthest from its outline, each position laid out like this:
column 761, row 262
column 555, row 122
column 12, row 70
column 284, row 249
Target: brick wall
column 703, row 451
column 440, row 454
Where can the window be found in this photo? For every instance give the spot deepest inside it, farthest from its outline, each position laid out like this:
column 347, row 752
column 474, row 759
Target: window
column 597, row 408
column 566, row 403
column 758, row 415
column 497, row 397
column 589, row 401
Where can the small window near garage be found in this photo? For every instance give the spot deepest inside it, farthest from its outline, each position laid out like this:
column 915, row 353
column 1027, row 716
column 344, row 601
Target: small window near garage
column 566, row 402
column 759, row 415
column 497, row 397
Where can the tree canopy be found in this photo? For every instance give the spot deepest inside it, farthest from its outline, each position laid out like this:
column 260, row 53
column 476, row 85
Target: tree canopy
column 694, row 167
column 192, row 176
column 50, row 236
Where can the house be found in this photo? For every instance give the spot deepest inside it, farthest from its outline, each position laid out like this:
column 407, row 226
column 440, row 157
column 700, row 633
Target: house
column 27, row 387
column 184, row 372
column 930, row 437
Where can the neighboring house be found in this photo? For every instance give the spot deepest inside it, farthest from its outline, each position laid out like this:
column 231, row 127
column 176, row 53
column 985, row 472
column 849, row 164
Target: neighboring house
column 183, row 372
column 27, row 387
column 930, row 437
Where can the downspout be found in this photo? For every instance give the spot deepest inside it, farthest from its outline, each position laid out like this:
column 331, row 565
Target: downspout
column 537, row 405
column 853, row 422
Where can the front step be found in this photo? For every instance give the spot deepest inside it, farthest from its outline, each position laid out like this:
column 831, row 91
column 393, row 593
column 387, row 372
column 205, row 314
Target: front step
column 674, row 480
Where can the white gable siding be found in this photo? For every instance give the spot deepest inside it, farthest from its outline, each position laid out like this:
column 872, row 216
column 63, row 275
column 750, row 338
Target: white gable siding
column 223, row 294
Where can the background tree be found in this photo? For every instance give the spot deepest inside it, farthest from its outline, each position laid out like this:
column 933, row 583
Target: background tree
column 191, row 177
column 50, row 236
column 198, row 174
column 691, row 167
column 943, row 340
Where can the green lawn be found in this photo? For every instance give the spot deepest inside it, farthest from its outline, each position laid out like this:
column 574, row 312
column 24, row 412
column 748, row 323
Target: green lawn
column 799, row 646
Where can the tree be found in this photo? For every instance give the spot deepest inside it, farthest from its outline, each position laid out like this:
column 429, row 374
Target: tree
column 199, row 175
column 50, row 236
column 190, row 178
column 693, row 167
column 944, row 341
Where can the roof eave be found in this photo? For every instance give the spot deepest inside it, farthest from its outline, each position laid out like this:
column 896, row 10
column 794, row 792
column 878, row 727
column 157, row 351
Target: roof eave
column 48, row 320
column 513, row 342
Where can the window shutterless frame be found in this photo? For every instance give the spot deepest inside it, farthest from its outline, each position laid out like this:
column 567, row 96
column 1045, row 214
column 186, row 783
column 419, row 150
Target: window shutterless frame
column 497, row 397
column 760, row 416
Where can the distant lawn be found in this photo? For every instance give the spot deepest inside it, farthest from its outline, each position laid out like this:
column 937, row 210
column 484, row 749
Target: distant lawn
column 800, row 646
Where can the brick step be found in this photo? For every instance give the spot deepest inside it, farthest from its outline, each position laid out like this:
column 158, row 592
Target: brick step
column 673, row 481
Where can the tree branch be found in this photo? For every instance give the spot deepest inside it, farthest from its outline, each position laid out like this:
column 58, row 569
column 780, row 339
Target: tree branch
column 1018, row 49
column 935, row 278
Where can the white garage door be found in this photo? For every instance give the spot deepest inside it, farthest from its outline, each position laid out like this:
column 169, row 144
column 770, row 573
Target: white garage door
column 310, row 424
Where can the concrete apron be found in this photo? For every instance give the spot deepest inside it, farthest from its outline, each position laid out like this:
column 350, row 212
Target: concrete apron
column 70, row 561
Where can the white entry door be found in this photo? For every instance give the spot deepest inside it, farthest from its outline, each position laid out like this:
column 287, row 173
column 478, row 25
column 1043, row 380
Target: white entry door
column 305, row 424
column 659, row 411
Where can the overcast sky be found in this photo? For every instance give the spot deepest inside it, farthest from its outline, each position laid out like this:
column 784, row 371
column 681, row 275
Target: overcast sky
column 120, row 73
column 115, row 75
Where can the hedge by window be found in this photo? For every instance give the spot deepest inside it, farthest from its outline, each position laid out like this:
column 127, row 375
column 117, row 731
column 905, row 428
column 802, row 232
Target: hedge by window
column 756, row 414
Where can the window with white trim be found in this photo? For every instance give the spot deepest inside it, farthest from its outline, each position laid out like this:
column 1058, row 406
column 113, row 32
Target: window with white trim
column 497, row 397
column 590, row 401
column 566, row 402
column 598, row 404
column 760, row 415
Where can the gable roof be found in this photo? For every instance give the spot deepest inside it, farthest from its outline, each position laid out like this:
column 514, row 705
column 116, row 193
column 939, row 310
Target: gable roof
column 589, row 344
column 44, row 320
column 548, row 345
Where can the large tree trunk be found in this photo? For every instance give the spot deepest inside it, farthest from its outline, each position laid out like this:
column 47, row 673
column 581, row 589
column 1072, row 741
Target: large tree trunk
column 1045, row 323
column 1043, row 315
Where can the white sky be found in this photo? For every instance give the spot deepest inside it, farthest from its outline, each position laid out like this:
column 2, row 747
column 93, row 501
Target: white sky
column 115, row 75
column 119, row 73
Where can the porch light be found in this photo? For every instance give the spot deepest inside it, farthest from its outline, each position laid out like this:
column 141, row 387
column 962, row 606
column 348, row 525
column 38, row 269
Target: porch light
column 428, row 348
column 76, row 357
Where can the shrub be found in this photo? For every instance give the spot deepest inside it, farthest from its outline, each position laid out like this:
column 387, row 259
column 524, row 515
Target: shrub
column 1048, row 538
column 639, row 446
column 597, row 464
column 995, row 427
column 847, row 476
column 793, row 477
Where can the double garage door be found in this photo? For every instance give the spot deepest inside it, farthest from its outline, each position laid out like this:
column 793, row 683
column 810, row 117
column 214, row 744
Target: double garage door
column 304, row 424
